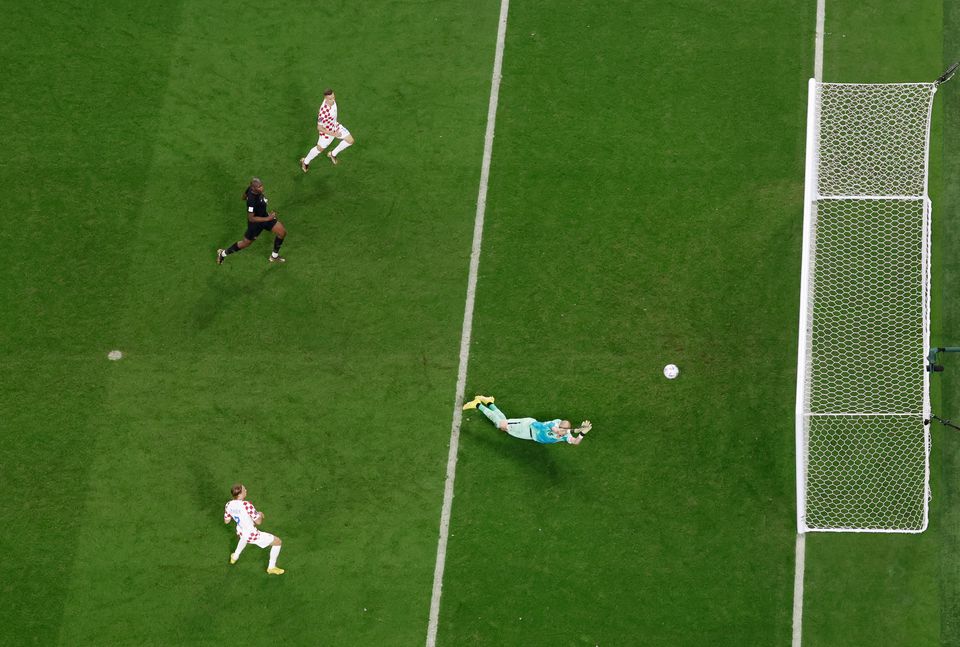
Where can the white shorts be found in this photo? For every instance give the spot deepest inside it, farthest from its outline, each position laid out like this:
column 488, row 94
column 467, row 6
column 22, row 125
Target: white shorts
column 520, row 428
column 325, row 140
column 265, row 540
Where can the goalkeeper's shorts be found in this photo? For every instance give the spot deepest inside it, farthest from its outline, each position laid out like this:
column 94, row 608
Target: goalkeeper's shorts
column 520, row 428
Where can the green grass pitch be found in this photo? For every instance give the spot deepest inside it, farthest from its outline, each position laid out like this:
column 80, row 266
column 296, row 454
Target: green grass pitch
column 644, row 208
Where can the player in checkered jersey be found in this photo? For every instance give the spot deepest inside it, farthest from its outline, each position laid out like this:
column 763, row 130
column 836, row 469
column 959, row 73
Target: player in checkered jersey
column 329, row 129
column 247, row 518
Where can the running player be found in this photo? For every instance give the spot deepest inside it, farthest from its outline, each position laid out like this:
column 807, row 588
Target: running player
column 329, row 129
column 247, row 518
column 551, row 431
column 258, row 220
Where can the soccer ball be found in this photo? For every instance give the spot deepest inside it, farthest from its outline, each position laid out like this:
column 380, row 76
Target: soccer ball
column 670, row 371
column 114, row 355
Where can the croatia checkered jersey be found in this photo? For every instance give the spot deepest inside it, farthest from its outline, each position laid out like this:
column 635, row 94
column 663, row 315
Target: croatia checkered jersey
column 327, row 117
column 244, row 514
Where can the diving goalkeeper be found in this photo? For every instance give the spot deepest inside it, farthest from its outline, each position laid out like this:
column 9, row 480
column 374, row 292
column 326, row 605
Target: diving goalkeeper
column 551, row 431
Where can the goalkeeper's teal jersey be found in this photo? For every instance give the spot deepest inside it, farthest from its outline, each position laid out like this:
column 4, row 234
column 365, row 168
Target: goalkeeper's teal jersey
column 541, row 431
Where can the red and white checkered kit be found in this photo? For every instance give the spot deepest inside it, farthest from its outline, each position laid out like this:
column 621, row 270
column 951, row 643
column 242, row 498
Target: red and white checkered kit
column 243, row 513
column 327, row 117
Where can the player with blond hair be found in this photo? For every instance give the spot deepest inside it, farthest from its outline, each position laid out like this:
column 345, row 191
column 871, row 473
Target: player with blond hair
column 329, row 129
column 247, row 518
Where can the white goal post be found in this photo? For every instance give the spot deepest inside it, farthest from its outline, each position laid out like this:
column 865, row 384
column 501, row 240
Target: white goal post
column 863, row 446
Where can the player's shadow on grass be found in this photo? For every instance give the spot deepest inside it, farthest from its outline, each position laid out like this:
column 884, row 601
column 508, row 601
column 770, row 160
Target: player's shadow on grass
column 222, row 292
column 206, row 491
column 309, row 190
column 222, row 286
column 534, row 457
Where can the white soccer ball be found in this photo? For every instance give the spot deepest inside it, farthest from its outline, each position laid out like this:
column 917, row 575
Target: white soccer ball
column 670, row 371
column 114, row 355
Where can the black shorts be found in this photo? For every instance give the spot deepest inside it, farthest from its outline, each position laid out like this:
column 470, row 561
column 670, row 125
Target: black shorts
column 254, row 228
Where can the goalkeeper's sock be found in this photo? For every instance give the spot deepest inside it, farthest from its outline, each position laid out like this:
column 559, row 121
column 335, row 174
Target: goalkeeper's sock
column 274, row 551
column 311, row 155
column 233, row 248
column 492, row 413
column 340, row 147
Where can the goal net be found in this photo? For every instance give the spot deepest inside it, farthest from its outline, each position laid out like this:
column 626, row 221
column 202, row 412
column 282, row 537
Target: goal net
column 862, row 388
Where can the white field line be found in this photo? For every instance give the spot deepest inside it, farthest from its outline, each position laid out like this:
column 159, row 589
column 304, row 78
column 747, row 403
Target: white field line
column 818, row 42
column 467, row 331
column 800, row 553
column 798, row 570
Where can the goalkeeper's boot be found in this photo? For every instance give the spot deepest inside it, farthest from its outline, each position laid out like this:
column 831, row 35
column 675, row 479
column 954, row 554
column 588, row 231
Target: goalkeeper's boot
column 275, row 571
column 303, row 165
column 221, row 254
column 479, row 399
column 233, row 558
column 277, row 259
column 333, row 158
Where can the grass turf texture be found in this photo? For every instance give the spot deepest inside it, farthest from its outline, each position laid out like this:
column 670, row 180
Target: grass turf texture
column 655, row 235
column 665, row 228
column 326, row 385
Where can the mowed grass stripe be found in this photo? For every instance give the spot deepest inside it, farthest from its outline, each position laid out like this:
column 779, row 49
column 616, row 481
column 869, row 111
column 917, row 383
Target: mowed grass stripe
column 643, row 197
column 946, row 442
column 74, row 180
column 325, row 383
column 466, row 331
column 892, row 596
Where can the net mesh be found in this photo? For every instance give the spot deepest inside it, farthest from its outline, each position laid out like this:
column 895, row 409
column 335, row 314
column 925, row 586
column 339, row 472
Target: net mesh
column 872, row 139
column 870, row 473
column 868, row 315
column 863, row 445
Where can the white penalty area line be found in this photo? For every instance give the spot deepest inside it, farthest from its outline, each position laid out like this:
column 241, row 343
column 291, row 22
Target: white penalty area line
column 467, row 330
column 800, row 552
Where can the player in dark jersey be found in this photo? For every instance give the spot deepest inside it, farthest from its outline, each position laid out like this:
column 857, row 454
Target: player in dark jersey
column 258, row 219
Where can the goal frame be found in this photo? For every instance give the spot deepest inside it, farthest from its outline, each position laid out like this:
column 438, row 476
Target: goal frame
column 802, row 413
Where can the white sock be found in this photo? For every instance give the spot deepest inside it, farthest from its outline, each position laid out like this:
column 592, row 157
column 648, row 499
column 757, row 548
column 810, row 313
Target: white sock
column 311, row 155
column 274, row 551
column 240, row 546
column 340, row 147
column 274, row 254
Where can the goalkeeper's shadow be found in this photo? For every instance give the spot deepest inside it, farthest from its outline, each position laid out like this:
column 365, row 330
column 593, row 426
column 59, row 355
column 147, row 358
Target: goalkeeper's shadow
column 534, row 457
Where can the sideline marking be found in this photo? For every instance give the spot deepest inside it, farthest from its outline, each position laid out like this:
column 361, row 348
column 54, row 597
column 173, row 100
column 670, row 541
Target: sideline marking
column 818, row 42
column 798, row 571
column 800, row 554
column 467, row 330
